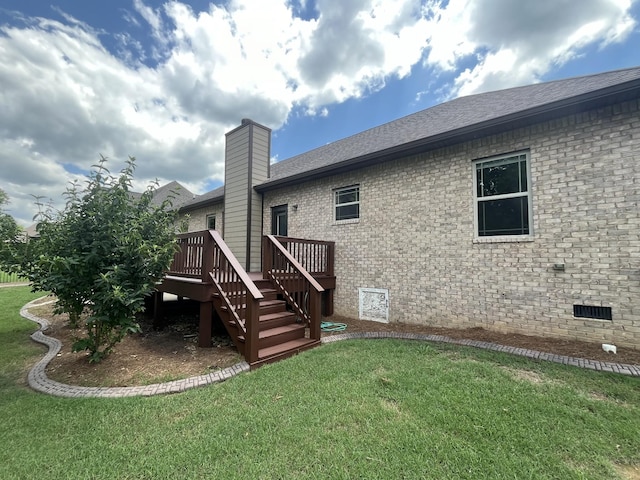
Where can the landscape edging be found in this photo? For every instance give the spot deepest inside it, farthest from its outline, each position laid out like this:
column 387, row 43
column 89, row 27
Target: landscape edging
column 39, row 381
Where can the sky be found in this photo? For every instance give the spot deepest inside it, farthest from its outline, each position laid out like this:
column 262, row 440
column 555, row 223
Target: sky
column 163, row 81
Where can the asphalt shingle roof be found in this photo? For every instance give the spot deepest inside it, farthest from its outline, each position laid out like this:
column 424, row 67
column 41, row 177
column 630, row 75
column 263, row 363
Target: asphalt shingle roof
column 444, row 121
column 177, row 193
column 453, row 116
column 214, row 195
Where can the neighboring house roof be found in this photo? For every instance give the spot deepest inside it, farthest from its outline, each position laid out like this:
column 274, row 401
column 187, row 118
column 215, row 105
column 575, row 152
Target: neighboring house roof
column 455, row 121
column 32, row 231
column 216, row 195
column 28, row 233
column 173, row 191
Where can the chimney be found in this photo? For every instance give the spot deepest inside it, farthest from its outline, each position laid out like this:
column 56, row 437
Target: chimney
column 247, row 154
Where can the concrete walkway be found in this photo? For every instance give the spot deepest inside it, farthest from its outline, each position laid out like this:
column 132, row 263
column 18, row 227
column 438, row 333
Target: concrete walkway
column 39, row 381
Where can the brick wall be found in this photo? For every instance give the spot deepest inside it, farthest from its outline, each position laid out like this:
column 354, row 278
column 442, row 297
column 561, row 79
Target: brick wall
column 198, row 217
column 415, row 236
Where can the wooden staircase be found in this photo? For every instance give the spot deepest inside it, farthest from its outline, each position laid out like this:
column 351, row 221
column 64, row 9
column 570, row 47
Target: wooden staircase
column 269, row 315
column 281, row 333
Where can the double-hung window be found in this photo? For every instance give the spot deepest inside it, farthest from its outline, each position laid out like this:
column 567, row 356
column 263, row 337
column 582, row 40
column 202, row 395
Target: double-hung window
column 502, row 195
column 347, row 202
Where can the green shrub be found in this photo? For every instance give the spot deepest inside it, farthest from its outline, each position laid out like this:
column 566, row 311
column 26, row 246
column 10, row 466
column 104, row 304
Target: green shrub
column 104, row 253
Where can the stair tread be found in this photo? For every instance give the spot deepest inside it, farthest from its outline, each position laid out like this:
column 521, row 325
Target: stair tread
column 268, row 290
column 279, row 330
column 272, row 316
column 263, row 303
column 272, row 302
column 285, row 347
column 272, row 332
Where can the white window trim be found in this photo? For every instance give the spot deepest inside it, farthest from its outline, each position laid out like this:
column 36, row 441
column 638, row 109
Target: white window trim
column 335, row 205
column 503, row 238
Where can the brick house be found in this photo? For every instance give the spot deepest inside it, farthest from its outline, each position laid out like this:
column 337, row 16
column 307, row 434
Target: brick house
column 514, row 210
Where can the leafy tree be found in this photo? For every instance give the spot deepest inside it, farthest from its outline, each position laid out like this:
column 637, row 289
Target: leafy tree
column 104, row 253
column 9, row 234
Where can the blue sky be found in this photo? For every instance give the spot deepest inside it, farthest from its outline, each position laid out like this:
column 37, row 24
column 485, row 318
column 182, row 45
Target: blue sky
column 163, row 81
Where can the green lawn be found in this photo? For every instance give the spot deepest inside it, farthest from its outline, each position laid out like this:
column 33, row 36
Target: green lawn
column 355, row 409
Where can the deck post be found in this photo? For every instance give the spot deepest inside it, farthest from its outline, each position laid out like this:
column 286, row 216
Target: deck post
column 157, row 308
column 328, row 302
column 206, row 319
column 315, row 314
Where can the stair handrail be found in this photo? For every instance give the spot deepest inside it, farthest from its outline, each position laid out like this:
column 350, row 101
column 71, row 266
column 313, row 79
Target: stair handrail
column 237, row 291
column 295, row 284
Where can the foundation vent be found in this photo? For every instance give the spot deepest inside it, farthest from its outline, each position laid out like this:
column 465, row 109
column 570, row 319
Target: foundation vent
column 589, row 311
column 374, row 304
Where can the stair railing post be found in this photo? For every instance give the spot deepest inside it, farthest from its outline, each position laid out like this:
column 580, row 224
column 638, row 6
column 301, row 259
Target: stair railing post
column 253, row 329
column 207, row 257
column 267, row 256
column 331, row 252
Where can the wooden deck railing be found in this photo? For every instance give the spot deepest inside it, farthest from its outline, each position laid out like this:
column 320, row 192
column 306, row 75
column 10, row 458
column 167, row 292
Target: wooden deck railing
column 193, row 259
column 238, row 293
column 289, row 263
column 315, row 256
column 295, row 283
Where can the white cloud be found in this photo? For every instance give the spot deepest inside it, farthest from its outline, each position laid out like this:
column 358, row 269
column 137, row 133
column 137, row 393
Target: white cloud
column 66, row 98
column 517, row 42
column 152, row 17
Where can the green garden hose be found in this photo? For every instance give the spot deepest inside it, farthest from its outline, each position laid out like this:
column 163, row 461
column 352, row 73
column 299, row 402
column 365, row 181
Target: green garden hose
column 332, row 327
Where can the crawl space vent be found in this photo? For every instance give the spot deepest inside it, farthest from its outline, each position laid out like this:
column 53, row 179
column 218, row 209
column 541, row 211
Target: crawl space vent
column 589, row 311
column 374, row 304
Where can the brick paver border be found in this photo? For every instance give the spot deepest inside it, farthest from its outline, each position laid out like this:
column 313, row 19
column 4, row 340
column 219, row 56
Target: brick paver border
column 39, row 381
column 621, row 368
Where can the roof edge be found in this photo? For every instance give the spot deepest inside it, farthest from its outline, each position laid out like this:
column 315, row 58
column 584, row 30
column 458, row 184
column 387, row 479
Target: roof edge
column 593, row 99
column 202, row 203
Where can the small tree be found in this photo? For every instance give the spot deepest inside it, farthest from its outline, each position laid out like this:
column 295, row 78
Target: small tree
column 9, row 235
column 104, row 252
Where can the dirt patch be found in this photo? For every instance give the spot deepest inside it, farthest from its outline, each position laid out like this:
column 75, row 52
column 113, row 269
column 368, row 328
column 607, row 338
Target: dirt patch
column 525, row 375
column 170, row 353
column 630, row 472
column 154, row 355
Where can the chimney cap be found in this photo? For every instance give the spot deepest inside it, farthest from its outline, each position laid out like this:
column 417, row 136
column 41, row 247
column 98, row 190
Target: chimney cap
column 245, row 121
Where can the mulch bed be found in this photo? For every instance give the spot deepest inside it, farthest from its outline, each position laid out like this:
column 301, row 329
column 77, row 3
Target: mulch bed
column 171, row 352
column 570, row 348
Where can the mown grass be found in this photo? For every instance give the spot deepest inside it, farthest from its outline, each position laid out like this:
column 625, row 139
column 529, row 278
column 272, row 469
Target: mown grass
column 16, row 348
column 357, row 409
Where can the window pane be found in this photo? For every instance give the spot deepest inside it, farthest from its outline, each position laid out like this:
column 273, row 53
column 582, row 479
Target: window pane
column 211, row 222
column 347, row 195
column 348, row 211
column 523, row 176
column 282, row 224
column 500, row 177
column 509, row 216
column 347, row 203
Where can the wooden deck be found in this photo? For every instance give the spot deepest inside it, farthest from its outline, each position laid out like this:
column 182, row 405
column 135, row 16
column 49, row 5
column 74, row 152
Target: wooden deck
column 269, row 315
